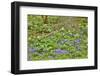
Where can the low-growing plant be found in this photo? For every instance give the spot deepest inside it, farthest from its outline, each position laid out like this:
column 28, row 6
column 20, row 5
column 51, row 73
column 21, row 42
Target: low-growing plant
column 62, row 42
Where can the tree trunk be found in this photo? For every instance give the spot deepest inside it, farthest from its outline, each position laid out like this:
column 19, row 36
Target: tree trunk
column 45, row 19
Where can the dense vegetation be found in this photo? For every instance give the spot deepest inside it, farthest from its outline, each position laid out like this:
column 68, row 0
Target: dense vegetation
column 57, row 37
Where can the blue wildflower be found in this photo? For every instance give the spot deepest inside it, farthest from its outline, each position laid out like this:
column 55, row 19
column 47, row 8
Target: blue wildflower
column 59, row 51
column 77, row 40
column 31, row 50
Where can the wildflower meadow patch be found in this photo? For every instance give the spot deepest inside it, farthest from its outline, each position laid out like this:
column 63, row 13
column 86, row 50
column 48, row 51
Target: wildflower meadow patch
column 57, row 37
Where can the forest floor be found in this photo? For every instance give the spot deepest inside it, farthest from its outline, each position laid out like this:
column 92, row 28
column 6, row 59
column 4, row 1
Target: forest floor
column 59, row 38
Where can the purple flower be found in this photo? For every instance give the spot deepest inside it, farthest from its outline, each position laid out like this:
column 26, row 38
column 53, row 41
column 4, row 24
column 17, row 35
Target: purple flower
column 59, row 51
column 31, row 50
column 77, row 41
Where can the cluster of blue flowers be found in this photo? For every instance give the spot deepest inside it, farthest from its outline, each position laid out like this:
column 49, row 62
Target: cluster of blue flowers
column 77, row 40
column 59, row 51
column 72, row 43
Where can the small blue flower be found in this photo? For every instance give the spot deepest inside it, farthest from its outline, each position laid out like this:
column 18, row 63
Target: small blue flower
column 59, row 51
column 31, row 50
column 77, row 41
